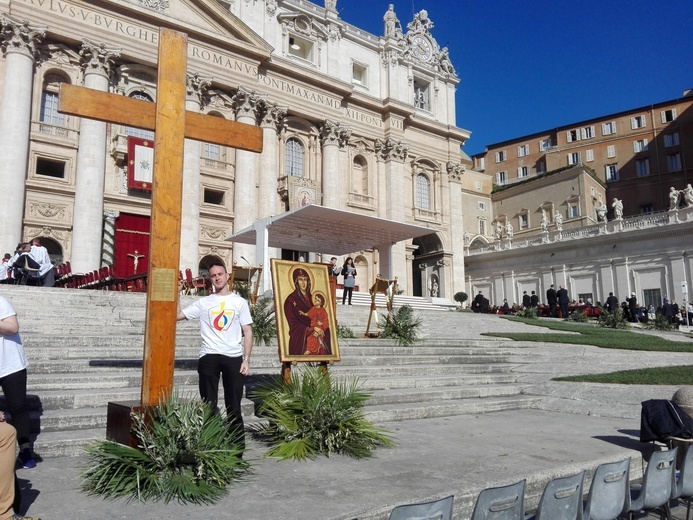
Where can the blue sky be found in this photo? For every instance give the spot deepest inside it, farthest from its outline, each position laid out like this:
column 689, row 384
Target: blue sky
column 532, row 66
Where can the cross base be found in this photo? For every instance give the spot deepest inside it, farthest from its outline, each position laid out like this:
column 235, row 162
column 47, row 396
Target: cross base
column 119, row 421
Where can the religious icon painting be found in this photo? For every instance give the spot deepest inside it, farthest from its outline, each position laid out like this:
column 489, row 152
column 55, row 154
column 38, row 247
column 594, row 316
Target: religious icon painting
column 306, row 325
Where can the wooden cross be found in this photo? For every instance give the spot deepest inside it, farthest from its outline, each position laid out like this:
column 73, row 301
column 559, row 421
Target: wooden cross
column 172, row 124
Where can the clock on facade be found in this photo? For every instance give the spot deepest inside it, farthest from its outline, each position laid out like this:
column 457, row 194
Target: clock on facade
column 421, row 48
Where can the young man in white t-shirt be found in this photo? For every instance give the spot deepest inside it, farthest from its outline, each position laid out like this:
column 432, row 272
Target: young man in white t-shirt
column 227, row 341
column 13, row 379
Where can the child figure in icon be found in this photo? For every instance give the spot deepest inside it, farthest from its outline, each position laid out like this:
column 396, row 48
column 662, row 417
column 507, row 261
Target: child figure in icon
column 319, row 322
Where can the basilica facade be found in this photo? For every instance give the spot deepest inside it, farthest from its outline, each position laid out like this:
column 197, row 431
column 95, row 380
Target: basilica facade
column 350, row 120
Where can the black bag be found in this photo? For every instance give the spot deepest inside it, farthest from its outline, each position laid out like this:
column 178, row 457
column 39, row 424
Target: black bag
column 662, row 418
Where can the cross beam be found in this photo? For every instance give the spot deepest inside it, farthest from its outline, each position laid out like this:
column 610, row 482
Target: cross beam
column 171, row 124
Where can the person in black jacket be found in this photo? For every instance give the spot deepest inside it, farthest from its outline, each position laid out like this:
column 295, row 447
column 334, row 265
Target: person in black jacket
column 563, row 301
column 526, row 301
column 534, row 300
column 611, row 303
column 552, row 299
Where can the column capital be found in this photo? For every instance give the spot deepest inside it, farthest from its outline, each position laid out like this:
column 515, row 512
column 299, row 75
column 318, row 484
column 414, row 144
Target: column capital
column 246, row 103
column 390, row 149
column 20, row 36
column 334, row 134
column 273, row 116
column 196, row 88
column 111, row 215
column 96, row 58
column 455, row 170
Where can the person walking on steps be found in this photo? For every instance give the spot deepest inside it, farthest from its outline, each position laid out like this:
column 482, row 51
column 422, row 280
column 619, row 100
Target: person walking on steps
column 349, row 274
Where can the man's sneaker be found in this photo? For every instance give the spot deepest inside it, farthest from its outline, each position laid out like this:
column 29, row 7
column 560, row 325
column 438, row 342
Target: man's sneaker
column 26, row 459
column 20, row 517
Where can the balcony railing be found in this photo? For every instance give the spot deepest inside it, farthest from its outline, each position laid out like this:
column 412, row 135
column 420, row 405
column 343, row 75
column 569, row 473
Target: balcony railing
column 48, row 131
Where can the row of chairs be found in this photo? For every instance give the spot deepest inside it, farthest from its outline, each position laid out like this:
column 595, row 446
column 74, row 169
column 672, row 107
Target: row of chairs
column 611, row 495
column 101, row 279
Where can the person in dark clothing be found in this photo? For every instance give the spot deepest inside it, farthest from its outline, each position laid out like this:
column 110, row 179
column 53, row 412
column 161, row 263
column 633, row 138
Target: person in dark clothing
column 476, row 304
column 526, row 301
column 534, row 300
column 563, row 301
column 611, row 303
column 633, row 308
column 552, row 299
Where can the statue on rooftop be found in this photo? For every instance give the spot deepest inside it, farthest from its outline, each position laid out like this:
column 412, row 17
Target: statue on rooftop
column 618, row 208
column 688, row 195
column 393, row 27
column 674, row 197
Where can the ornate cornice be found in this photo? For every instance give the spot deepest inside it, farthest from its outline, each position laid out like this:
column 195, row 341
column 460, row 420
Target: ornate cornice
column 455, row 171
column 246, row 103
column 196, row 88
column 273, row 116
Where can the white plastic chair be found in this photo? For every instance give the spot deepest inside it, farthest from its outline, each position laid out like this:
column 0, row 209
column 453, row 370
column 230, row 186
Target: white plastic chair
column 657, row 485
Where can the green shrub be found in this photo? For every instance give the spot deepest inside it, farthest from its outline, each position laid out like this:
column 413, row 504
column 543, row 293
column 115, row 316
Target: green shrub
column 186, row 453
column 613, row 320
column 345, row 332
column 461, row 297
column 264, row 320
column 531, row 313
column 578, row 317
column 659, row 323
column 402, row 326
column 315, row 413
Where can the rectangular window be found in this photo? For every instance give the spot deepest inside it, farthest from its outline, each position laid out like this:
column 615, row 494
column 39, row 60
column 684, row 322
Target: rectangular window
column 544, row 144
column 589, row 155
column 215, row 197
column 359, row 74
column 573, row 211
column 640, row 145
column 572, row 136
column 482, row 227
column 502, row 178
column 49, row 109
column 587, row 132
column 55, row 169
column 211, row 151
column 523, row 150
column 611, row 171
column 652, row 297
column 501, row 156
column 422, row 96
column 674, row 162
column 642, row 167
column 671, row 139
column 646, row 209
column 573, row 158
column 609, row 128
column 611, row 151
column 524, row 221
column 541, row 167
column 481, row 205
column 300, row 47
column 522, row 172
column 668, row 115
column 637, row 122
column 478, row 185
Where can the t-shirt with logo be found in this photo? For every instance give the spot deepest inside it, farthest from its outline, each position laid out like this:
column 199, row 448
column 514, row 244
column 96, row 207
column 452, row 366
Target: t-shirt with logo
column 221, row 320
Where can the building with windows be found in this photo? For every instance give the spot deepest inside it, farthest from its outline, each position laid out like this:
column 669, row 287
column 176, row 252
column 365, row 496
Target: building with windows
column 350, row 120
column 638, row 154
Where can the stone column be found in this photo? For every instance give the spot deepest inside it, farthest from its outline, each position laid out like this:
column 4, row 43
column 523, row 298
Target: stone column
column 87, row 226
column 190, row 215
column 333, row 136
column 20, row 40
column 394, row 153
column 455, row 172
column 108, row 252
column 246, row 104
column 272, row 124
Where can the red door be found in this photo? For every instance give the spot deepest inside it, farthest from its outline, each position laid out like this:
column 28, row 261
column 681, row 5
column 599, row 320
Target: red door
column 131, row 242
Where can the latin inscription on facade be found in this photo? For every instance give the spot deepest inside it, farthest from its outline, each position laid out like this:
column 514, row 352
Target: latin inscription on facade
column 300, row 92
column 223, row 60
column 363, row 117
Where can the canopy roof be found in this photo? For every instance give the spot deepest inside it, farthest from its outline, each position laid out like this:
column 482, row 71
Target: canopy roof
column 319, row 229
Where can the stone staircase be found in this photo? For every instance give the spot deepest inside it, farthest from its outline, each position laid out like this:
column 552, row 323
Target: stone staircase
column 85, row 349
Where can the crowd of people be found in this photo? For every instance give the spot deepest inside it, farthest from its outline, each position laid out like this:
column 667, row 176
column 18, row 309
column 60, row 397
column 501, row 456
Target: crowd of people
column 29, row 263
column 560, row 305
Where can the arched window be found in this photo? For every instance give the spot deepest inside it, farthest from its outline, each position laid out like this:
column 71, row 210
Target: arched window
column 422, row 192
column 139, row 132
column 49, row 100
column 359, row 180
column 294, row 157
